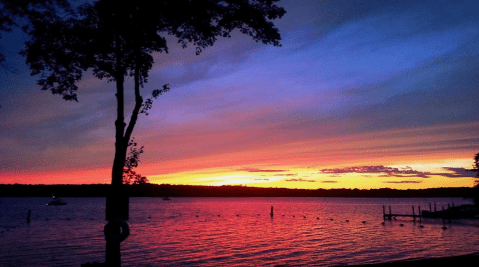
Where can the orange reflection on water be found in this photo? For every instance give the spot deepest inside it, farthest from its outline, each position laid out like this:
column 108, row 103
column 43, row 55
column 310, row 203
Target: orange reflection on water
column 303, row 231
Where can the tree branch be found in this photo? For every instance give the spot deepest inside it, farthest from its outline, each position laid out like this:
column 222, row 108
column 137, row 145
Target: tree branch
column 136, row 109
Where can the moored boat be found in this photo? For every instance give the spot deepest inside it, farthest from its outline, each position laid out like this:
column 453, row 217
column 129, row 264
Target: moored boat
column 56, row 202
column 458, row 212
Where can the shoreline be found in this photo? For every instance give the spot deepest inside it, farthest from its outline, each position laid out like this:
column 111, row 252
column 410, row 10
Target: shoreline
column 467, row 260
column 167, row 190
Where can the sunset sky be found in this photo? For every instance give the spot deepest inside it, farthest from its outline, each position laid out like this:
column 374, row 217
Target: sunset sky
column 362, row 94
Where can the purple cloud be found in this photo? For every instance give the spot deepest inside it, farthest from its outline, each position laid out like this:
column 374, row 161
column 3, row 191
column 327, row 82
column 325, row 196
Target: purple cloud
column 286, row 174
column 260, row 170
column 402, row 182
column 385, row 171
column 459, row 173
column 299, row 180
column 403, row 172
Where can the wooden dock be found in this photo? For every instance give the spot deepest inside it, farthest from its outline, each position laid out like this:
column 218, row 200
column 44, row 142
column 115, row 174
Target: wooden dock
column 390, row 215
column 444, row 214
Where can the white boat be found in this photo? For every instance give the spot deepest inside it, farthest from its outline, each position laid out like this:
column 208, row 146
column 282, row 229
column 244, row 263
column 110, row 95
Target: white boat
column 56, row 202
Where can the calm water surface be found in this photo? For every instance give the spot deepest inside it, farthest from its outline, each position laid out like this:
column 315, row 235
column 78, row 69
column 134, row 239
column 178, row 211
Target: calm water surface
column 230, row 232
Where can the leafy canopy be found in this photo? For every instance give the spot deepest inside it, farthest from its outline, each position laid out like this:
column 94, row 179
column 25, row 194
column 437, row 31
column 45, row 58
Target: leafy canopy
column 116, row 38
column 18, row 13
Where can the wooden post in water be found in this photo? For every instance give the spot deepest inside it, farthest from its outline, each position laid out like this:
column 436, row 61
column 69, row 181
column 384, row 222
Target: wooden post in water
column 449, row 215
column 430, row 209
column 413, row 214
column 29, row 215
column 384, row 213
column 390, row 212
column 271, row 211
column 443, row 215
column 419, row 211
column 435, row 207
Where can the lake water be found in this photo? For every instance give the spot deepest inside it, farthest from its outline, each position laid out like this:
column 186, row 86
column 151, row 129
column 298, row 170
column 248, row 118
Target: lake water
column 230, row 232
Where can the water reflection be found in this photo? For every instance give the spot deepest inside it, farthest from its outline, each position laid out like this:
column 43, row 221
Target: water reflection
column 189, row 232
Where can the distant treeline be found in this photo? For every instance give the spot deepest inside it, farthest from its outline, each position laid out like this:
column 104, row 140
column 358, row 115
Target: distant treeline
column 154, row 190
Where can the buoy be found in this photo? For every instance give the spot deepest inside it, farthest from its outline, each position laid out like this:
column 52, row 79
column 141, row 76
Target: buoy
column 304, row 217
column 331, row 219
column 124, row 232
column 444, row 228
column 382, row 223
column 149, row 217
column 401, row 224
column 364, row 221
column 347, row 220
column 317, row 218
column 293, row 216
column 237, row 215
column 196, row 215
column 421, row 226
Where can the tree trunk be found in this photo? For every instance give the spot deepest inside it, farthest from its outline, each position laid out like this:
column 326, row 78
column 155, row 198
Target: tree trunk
column 117, row 199
column 117, row 202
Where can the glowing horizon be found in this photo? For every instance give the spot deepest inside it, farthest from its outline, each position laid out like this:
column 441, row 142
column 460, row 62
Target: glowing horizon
column 362, row 162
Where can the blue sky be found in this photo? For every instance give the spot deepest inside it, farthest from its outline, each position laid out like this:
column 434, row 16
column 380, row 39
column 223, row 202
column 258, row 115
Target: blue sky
column 346, row 71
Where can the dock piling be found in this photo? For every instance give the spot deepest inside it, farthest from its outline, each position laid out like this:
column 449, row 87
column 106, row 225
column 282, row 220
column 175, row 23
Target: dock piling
column 419, row 211
column 271, row 211
column 443, row 215
column 413, row 214
column 29, row 215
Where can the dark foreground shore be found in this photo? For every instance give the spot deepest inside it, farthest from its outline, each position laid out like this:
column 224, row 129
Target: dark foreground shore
column 468, row 260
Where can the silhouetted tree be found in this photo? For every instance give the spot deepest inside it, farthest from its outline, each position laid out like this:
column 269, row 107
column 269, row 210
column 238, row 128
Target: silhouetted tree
column 476, row 187
column 115, row 39
column 16, row 13
column 476, row 164
column 133, row 158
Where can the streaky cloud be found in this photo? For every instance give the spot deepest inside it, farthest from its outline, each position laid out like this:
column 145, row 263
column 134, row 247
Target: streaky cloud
column 260, row 170
column 385, row 171
column 300, row 180
column 459, row 173
column 402, row 182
